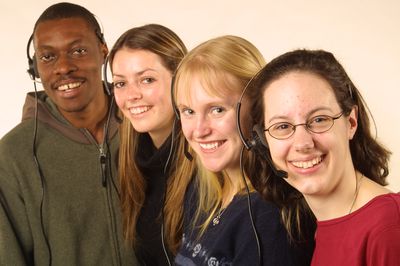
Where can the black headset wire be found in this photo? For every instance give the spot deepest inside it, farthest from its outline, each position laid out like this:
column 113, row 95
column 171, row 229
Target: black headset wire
column 253, row 226
column 106, row 141
column 31, row 71
column 39, row 170
column 167, row 164
column 109, row 90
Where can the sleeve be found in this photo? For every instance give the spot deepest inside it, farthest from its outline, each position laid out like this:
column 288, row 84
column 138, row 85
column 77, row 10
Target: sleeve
column 273, row 241
column 384, row 247
column 14, row 227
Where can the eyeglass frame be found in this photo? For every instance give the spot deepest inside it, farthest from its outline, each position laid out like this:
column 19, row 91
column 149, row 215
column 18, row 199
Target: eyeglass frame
column 306, row 125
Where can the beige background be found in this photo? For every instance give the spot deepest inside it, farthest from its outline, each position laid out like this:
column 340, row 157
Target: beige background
column 363, row 34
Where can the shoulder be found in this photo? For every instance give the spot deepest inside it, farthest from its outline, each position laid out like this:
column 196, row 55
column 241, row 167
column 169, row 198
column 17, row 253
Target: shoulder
column 381, row 212
column 263, row 212
column 22, row 134
column 387, row 204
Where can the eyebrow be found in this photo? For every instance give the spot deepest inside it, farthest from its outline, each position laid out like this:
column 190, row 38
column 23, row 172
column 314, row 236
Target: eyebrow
column 322, row 108
column 136, row 73
column 78, row 41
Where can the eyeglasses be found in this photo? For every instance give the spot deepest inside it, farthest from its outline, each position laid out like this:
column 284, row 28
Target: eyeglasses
column 317, row 124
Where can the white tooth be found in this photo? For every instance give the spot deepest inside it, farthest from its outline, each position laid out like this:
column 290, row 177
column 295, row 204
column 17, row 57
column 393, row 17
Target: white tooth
column 209, row 146
column 68, row 86
column 139, row 110
column 308, row 164
column 63, row 87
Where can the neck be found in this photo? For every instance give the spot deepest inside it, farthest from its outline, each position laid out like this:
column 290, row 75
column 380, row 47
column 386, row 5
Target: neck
column 340, row 201
column 159, row 137
column 233, row 185
column 92, row 120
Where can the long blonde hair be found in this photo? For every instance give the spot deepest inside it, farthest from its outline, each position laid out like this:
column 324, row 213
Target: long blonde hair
column 169, row 47
column 214, row 61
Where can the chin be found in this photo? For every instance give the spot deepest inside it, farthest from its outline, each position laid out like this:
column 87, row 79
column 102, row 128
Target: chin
column 307, row 188
column 212, row 167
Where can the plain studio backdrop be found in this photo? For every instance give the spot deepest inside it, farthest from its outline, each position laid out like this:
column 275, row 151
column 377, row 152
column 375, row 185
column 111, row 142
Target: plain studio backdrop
column 363, row 35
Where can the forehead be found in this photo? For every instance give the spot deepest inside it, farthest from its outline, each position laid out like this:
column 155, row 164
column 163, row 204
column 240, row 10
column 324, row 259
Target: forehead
column 197, row 92
column 299, row 91
column 50, row 32
column 136, row 60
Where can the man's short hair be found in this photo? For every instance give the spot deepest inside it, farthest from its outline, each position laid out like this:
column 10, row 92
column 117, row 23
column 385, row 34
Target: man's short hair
column 69, row 10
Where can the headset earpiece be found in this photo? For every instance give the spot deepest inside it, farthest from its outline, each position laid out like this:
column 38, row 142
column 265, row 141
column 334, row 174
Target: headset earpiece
column 32, row 70
column 32, row 65
column 257, row 142
column 261, row 148
column 259, row 136
column 108, row 86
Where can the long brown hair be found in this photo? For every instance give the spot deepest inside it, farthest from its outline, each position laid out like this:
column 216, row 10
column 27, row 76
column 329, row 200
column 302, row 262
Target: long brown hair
column 170, row 48
column 368, row 155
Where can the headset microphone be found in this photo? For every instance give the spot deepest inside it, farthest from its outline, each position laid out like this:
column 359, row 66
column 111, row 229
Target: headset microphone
column 257, row 142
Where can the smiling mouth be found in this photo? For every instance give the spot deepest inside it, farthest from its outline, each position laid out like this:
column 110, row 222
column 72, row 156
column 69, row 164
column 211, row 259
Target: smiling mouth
column 139, row 110
column 69, row 86
column 308, row 164
column 211, row 145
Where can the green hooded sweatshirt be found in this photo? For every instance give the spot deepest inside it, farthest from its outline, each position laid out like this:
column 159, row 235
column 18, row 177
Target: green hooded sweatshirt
column 70, row 214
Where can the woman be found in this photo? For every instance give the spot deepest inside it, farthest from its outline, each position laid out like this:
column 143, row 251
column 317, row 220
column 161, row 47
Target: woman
column 143, row 61
column 218, row 229
column 317, row 128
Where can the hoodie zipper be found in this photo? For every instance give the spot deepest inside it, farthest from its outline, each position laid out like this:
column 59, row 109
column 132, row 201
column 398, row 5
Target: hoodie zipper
column 103, row 166
column 103, row 163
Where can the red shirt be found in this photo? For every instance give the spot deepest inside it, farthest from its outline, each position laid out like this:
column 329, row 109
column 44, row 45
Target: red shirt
column 368, row 236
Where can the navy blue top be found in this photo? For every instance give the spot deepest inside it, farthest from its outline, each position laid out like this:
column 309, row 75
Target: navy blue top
column 232, row 241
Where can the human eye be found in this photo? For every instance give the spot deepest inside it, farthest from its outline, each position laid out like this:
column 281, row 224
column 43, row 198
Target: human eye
column 281, row 130
column 147, row 80
column 185, row 111
column 119, row 84
column 283, row 126
column 217, row 110
column 46, row 57
column 79, row 51
column 320, row 122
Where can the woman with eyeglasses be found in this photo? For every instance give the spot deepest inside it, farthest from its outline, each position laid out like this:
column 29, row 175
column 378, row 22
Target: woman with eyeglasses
column 313, row 122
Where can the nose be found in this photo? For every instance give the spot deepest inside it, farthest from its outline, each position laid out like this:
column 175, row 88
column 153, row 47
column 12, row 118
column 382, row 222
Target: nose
column 133, row 92
column 64, row 65
column 202, row 128
column 303, row 139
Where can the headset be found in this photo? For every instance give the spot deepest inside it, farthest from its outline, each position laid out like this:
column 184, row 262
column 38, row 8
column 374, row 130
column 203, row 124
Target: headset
column 34, row 75
column 108, row 86
column 176, row 110
column 32, row 68
column 257, row 141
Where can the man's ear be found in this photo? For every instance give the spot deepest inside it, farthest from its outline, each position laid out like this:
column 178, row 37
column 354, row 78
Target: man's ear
column 104, row 50
column 353, row 121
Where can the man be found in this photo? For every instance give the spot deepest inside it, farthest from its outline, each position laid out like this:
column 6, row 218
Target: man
column 59, row 201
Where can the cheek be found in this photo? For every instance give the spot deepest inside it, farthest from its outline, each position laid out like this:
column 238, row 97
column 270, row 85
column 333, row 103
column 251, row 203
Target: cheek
column 278, row 149
column 119, row 98
column 187, row 128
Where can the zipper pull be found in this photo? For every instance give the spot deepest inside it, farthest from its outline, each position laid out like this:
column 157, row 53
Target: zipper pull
column 103, row 163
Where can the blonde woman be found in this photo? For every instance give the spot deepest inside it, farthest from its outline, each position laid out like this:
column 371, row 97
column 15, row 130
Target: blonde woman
column 218, row 229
